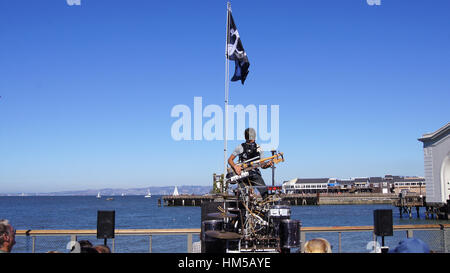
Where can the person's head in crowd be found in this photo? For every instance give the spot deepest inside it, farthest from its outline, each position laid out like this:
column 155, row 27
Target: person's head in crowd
column 411, row 245
column 88, row 249
column 102, row 249
column 7, row 236
column 317, row 245
column 85, row 243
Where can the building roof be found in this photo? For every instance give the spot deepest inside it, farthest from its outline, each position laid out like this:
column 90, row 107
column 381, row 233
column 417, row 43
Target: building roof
column 345, row 182
column 410, row 179
column 311, row 180
column 376, row 179
column 441, row 132
column 360, row 179
column 416, row 178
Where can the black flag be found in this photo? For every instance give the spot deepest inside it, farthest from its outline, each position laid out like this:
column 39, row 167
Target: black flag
column 236, row 52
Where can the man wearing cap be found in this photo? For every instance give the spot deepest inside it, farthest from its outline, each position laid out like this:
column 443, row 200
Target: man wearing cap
column 249, row 150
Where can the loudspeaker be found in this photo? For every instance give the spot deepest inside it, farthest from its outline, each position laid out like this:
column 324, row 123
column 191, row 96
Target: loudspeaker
column 382, row 222
column 105, row 224
column 206, row 208
column 209, row 207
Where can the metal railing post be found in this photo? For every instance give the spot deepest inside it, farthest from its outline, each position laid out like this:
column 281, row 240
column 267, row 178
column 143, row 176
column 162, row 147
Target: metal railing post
column 444, row 243
column 150, row 245
column 33, row 245
column 409, row 233
column 189, row 243
column 302, row 241
column 374, row 236
column 113, row 245
column 339, row 240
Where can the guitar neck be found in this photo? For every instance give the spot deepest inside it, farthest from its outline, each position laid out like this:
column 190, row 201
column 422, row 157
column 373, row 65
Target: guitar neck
column 257, row 163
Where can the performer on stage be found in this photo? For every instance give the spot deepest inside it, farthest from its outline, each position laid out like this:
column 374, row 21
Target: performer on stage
column 245, row 151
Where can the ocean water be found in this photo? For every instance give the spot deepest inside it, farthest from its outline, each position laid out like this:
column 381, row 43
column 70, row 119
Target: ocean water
column 137, row 212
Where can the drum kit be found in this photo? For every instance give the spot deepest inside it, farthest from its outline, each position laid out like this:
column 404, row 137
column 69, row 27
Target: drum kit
column 244, row 223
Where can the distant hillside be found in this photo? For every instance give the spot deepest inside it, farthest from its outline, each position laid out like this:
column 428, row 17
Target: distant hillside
column 133, row 191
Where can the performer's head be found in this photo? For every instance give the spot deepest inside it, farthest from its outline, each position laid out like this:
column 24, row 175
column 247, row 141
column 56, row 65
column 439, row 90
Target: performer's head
column 250, row 135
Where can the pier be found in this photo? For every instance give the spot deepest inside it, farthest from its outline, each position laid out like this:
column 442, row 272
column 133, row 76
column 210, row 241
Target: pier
column 407, row 202
column 198, row 200
column 301, row 200
column 186, row 200
column 292, row 199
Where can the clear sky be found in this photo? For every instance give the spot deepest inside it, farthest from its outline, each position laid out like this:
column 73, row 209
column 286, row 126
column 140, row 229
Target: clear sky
column 87, row 91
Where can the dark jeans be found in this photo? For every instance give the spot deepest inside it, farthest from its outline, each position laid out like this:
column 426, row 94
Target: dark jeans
column 255, row 179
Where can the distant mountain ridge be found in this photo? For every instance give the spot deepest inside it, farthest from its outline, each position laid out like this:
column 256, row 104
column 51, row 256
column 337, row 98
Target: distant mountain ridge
column 165, row 190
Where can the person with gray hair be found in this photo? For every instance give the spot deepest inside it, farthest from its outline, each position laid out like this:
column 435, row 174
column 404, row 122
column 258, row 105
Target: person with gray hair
column 249, row 150
column 7, row 236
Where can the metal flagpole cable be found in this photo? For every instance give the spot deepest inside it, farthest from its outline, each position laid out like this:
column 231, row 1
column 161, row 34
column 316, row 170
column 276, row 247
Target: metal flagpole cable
column 226, row 98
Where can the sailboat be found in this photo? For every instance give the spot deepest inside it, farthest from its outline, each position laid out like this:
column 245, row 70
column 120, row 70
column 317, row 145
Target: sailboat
column 175, row 191
column 98, row 195
column 148, row 194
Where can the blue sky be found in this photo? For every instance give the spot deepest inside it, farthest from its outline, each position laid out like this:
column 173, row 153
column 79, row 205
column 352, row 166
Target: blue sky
column 87, row 91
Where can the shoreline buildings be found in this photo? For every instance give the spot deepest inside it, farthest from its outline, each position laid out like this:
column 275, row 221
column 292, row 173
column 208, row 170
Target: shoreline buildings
column 387, row 185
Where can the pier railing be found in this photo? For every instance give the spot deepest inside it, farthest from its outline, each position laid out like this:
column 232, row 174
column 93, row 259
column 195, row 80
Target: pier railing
column 355, row 239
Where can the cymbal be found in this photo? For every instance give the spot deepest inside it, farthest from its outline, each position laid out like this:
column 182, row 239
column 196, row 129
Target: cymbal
column 221, row 215
column 226, row 235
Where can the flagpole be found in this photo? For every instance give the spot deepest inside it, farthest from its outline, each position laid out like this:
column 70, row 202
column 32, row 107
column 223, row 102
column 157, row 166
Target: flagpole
column 226, row 98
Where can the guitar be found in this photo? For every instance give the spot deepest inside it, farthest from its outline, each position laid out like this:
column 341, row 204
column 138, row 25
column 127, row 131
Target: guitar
column 251, row 164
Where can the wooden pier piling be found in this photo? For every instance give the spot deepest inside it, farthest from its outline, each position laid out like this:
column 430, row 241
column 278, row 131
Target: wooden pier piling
column 406, row 203
column 186, row 200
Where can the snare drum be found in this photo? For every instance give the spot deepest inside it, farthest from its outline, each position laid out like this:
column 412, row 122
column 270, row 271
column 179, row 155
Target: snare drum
column 280, row 211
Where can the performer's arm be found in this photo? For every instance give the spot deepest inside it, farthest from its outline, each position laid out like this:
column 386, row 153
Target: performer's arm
column 236, row 168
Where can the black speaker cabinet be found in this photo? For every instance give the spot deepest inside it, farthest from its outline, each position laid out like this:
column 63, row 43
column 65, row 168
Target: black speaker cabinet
column 382, row 222
column 209, row 207
column 105, row 224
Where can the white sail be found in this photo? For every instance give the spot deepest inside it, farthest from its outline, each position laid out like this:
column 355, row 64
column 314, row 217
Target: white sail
column 175, row 191
column 148, row 194
column 98, row 195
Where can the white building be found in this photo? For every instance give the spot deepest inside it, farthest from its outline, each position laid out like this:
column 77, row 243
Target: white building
column 306, row 185
column 436, row 150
